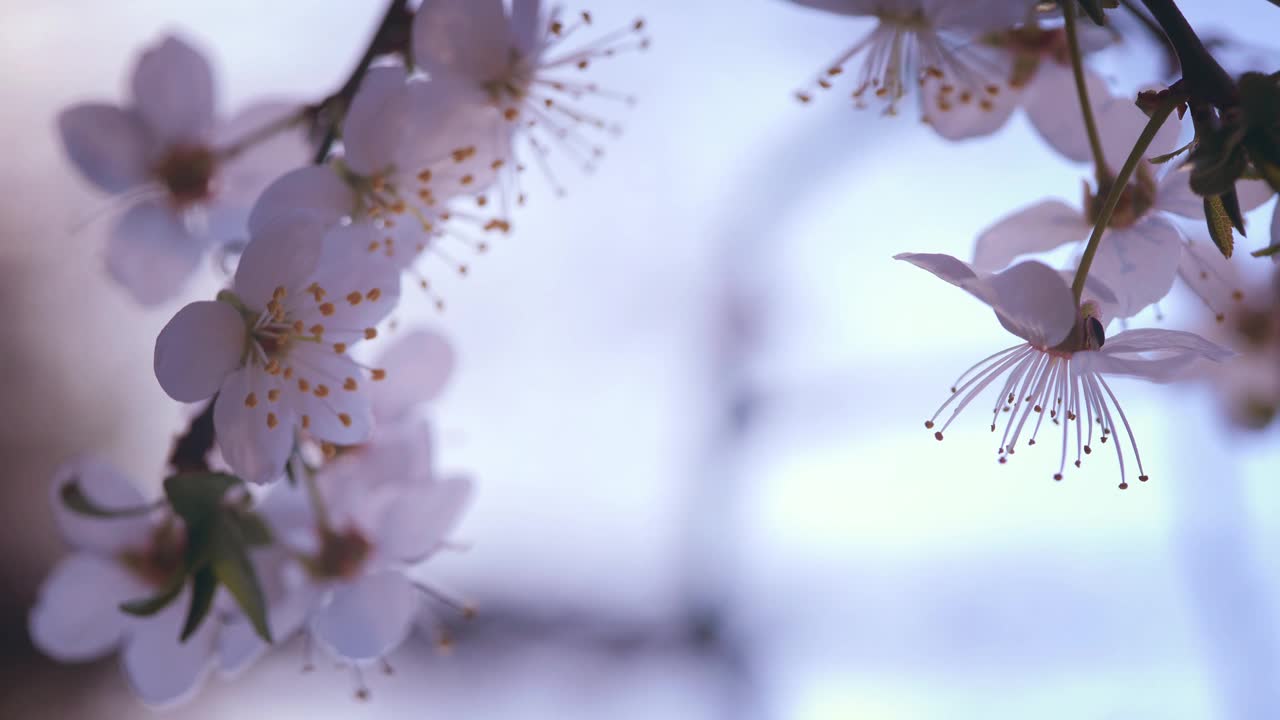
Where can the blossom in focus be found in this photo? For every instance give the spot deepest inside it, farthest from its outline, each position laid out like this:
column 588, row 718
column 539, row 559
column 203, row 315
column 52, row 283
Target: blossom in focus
column 274, row 348
column 514, row 70
column 927, row 44
column 409, row 172
column 183, row 184
column 1060, row 369
column 77, row 615
column 1143, row 248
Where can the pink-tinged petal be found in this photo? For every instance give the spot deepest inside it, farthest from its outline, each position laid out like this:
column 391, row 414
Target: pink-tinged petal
column 1032, row 301
column 106, row 488
column 1174, row 342
column 1139, row 262
column 469, row 38
column 374, row 128
column 1120, row 122
column 77, row 616
column 418, row 365
column 974, row 15
column 528, row 27
column 1153, row 354
column 1210, row 276
column 1052, row 107
column 945, row 267
column 254, row 447
column 399, row 452
column 1039, row 228
column 198, row 349
column 173, row 91
column 314, row 189
column 284, row 254
column 151, row 253
column 108, row 145
column 448, row 118
column 955, row 115
column 161, row 670
column 362, row 286
column 333, row 412
column 368, row 618
column 423, row 518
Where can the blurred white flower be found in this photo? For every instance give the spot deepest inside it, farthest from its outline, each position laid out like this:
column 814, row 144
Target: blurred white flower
column 506, row 70
column 1058, row 372
column 185, row 187
column 275, row 347
column 933, row 43
column 77, row 614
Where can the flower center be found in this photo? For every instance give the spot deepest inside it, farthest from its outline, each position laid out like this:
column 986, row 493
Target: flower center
column 1135, row 200
column 158, row 561
column 342, row 554
column 187, row 172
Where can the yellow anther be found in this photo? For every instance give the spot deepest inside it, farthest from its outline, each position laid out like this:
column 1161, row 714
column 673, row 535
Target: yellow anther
column 350, row 384
column 321, row 391
column 345, row 419
column 273, row 394
column 306, row 422
column 373, row 294
column 326, row 309
column 303, row 385
column 354, row 297
column 272, row 420
column 378, row 374
column 370, row 333
column 339, row 348
column 250, row 400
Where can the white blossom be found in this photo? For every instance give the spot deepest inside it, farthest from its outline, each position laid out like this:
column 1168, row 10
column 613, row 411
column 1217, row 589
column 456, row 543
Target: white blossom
column 1059, row 370
column 172, row 165
column 274, row 348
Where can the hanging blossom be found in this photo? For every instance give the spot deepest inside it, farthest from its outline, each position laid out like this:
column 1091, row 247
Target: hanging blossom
column 353, row 558
column 1248, row 388
column 926, row 44
column 184, row 184
column 1059, row 371
column 77, row 615
column 409, row 172
column 1037, row 75
column 1143, row 248
column 515, row 69
column 274, row 348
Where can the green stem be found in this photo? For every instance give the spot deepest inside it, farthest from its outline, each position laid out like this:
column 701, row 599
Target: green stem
column 1117, row 188
column 1082, row 92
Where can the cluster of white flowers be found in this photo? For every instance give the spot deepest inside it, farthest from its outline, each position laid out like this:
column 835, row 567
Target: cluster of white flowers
column 305, row 495
column 323, row 500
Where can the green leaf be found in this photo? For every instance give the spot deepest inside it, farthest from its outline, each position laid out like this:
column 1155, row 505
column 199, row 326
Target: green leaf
column 1162, row 159
column 197, row 497
column 147, row 607
column 231, row 565
column 255, row 530
column 203, row 586
column 72, row 495
column 1268, row 251
column 1219, row 223
column 1218, row 161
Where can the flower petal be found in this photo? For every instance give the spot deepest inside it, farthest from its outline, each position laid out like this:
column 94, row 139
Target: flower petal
column 1054, row 110
column 109, row 146
column 1176, row 353
column 1032, row 301
column 528, row 27
column 336, row 408
column 374, row 128
column 469, row 38
column 368, row 618
column 1120, row 122
column 238, row 643
column 1039, row 228
column 423, row 518
column 284, row 254
column 1175, row 195
column 151, row 253
column 418, row 365
column 173, row 90
column 243, row 177
column 198, row 348
column 161, row 670
column 105, row 487
column 314, row 189
column 255, row 448
column 362, row 287
column 1210, row 276
column 1139, row 262
column 945, row 267
column 77, row 615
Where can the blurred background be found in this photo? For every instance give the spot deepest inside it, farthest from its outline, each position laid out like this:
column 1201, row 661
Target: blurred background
column 692, row 392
